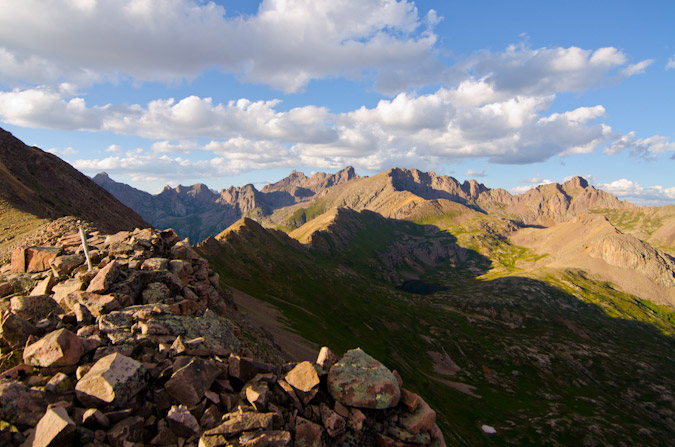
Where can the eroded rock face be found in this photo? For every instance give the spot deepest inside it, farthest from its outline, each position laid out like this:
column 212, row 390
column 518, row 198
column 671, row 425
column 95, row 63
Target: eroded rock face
column 358, row 380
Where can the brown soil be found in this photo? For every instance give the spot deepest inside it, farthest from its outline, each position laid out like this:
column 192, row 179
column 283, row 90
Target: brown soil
column 266, row 315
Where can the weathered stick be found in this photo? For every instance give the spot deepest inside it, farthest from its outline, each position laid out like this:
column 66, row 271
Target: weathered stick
column 86, row 249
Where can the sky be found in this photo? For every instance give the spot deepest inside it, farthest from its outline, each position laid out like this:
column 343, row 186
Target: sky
column 512, row 94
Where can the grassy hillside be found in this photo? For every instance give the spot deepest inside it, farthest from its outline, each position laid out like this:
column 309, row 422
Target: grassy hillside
column 560, row 364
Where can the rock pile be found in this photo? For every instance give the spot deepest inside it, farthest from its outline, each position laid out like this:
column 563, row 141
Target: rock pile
column 142, row 349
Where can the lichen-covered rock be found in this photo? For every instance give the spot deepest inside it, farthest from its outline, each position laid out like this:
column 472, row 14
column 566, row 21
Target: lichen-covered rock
column 58, row 348
column 113, row 380
column 358, row 380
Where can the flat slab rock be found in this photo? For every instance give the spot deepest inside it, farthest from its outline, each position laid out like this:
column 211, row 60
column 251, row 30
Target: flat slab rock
column 358, row 380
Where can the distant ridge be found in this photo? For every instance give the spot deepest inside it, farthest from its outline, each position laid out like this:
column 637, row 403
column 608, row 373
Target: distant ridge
column 197, row 212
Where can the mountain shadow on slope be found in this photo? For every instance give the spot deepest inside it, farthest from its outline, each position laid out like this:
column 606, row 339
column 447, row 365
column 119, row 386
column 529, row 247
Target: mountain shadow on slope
column 533, row 360
column 43, row 185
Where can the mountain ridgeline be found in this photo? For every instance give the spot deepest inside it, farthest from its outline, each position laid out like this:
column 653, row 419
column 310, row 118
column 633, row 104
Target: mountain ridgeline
column 197, row 212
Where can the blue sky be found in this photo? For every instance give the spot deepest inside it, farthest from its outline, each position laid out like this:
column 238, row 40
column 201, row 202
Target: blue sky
column 513, row 94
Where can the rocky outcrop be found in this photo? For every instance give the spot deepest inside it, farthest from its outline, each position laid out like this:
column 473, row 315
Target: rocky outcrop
column 146, row 350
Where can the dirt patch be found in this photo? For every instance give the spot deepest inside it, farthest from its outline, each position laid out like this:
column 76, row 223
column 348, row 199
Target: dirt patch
column 443, row 364
column 266, row 315
column 461, row 387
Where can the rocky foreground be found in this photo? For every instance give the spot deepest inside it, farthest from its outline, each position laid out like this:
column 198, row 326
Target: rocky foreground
column 143, row 348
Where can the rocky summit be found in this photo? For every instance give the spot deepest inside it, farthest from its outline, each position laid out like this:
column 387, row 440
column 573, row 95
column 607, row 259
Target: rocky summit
column 144, row 347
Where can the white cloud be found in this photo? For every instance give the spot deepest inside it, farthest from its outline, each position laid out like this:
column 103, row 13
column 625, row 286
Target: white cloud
column 671, row 63
column 641, row 195
column 521, row 70
column 644, row 147
column 114, row 148
column 472, row 173
column 285, row 44
column 63, row 152
column 424, row 128
column 638, row 68
column 533, row 183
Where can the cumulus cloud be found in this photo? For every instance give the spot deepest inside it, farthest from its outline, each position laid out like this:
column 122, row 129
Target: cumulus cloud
column 424, row 129
column 634, row 192
column 285, row 44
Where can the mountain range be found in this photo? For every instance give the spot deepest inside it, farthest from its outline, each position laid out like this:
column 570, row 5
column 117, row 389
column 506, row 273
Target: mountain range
column 545, row 318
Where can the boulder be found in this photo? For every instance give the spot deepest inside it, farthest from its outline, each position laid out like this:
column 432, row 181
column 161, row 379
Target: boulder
column 64, row 288
column 63, row 265
column 94, row 417
column 113, row 380
column 126, row 432
column 5, row 289
column 244, row 369
column 155, row 264
column 420, row 420
column 182, row 422
column 20, row 405
column 58, row 348
column 33, row 259
column 45, row 286
column 236, row 423
column 334, row 423
column 104, row 278
column 189, row 383
column 35, row 308
column 304, row 380
column 59, row 383
column 55, row 428
column 358, row 380
column 303, row 377
column 308, row 434
column 326, row 358
column 14, row 330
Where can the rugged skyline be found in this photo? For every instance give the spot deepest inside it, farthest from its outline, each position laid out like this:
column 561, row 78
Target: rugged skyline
column 229, row 93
